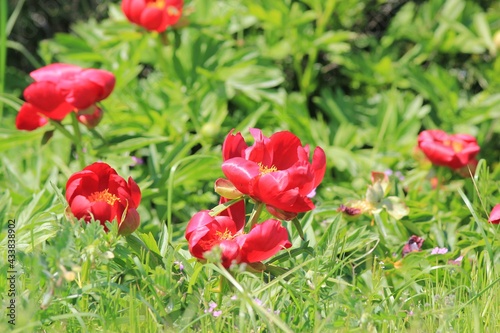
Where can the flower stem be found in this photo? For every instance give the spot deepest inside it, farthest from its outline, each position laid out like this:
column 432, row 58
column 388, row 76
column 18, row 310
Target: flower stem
column 254, row 217
column 61, row 129
column 77, row 140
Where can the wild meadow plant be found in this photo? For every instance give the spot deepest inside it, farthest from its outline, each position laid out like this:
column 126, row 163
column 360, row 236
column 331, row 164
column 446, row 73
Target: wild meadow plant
column 252, row 166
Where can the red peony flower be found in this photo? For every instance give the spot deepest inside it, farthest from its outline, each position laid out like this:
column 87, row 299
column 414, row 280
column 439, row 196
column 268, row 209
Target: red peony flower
column 98, row 192
column 495, row 215
column 204, row 231
column 453, row 151
column 60, row 89
column 154, row 15
column 275, row 171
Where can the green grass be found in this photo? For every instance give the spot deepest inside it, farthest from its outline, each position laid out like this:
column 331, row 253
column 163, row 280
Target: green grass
column 324, row 70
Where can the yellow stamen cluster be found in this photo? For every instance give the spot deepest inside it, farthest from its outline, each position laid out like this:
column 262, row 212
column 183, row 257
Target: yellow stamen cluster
column 226, row 235
column 456, row 146
column 158, row 4
column 105, row 196
column 263, row 169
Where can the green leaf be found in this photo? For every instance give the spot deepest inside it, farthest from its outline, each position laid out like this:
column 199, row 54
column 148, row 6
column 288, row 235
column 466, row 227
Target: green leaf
column 129, row 145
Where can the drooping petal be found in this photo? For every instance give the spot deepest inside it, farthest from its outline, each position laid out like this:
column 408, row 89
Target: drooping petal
column 263, row 241
column 48, row 99
column 29, row 118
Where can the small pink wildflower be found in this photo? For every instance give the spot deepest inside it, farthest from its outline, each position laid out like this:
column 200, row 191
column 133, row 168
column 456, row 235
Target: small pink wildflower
column 439, row 250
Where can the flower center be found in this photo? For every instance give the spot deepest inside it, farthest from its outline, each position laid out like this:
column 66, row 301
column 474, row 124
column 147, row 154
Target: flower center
column 263, row 169
column 105, row 196
column 226, row 235
column 455, row 145
column 156, row 3
column 207, row 244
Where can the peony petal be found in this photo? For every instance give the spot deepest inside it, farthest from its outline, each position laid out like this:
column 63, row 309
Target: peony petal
column 240, row 172
column 263, row 241
column 133, row 9
column 260, row 151
column 153, row 18
column 80, row 207
column 104, row 79
column 236, row 212
column 80, row 93
column 319, row 166
column 29, row 118
column 135, row 192
column 46, row 97
column 102, row 211
column 495, row 215
column 54, row 72
column 233, row 146
column 198, row 222
column 230, row 252
column 84, row 182
column 284, row 147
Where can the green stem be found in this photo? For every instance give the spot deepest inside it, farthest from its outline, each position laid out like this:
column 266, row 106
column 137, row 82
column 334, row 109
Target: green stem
column 222, row 282
column 77, row 140
column 63, row 130
column 254, row 217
